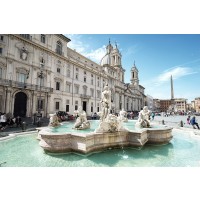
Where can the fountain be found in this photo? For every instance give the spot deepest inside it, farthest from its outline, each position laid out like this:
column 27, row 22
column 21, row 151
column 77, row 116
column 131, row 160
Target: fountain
column 81, row 121
column 110, row 132
column 53, row 121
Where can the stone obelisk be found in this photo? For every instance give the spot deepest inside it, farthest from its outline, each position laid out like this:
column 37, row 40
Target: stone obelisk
column 172, row 96
column 172, row 89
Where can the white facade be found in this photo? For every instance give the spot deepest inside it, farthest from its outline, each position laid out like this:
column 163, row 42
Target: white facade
column 40, row 73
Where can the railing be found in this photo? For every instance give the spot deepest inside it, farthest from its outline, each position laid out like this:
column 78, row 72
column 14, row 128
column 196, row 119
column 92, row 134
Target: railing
column 85, row 96
column 21, row 85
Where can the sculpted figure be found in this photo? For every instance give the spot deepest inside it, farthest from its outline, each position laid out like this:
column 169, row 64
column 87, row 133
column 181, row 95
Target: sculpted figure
column 106, row 103
column 81, row 121
column 54, row 120
column 143, row 119
column 122, row 115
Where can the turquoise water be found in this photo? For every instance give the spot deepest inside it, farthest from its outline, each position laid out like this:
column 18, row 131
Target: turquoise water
column 24, row 151
column 67, row 127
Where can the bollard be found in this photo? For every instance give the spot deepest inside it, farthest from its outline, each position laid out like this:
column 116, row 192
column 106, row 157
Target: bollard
column 163, row 122
column 181, row 123
column 23, row 126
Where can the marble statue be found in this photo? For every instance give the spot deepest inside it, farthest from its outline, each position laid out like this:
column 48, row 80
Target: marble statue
column 54, row 122
column 105, row 103
column 81, row 121
column 143, row 119
column 122, row 115
column 108, row 122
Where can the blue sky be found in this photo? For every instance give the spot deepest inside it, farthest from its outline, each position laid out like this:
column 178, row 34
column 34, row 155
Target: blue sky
column 157, row 57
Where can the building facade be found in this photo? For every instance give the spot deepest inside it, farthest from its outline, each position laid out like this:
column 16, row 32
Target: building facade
column 40, row 74
column 197, row 104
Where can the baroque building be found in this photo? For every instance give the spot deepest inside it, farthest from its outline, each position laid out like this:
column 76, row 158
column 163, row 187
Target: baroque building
column 41, row 74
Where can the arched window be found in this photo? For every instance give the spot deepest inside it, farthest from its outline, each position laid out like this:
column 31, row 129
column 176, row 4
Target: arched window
column 59, row 48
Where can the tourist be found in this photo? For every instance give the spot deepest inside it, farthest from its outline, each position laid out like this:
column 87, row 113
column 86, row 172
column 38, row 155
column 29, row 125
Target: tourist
column 18, row 121
column 10, row 122
column 188, row 119
column 105, row 102
column 194, row 123
column 3, row 121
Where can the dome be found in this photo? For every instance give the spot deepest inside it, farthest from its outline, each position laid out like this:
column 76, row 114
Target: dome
column 105, row 60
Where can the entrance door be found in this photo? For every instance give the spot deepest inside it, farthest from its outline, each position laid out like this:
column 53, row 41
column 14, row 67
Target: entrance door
column 84, row 106
column 20, row 104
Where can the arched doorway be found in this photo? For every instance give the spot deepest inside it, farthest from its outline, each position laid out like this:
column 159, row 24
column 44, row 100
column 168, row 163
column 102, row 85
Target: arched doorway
column 20, row 104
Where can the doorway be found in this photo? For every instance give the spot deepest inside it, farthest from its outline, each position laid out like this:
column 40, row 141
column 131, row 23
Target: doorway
column 20, row 104
column 85, row 106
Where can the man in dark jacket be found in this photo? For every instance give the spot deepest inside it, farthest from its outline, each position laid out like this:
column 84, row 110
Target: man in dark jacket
column 18, row 121
column 194, row 123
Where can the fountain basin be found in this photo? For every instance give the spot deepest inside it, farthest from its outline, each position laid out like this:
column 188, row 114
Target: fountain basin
column 92, row 142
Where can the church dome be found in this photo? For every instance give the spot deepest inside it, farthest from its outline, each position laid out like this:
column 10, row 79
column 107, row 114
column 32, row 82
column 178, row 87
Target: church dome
column 105, row 60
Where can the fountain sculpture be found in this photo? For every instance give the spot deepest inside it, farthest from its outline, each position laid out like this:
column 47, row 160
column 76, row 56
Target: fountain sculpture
column 109, row 134
column 143, row 118
column 108, row 122
column 53, row 121
column 81, row 121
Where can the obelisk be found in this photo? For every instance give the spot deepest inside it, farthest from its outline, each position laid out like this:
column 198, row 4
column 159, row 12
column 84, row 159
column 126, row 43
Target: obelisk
column 172, row 89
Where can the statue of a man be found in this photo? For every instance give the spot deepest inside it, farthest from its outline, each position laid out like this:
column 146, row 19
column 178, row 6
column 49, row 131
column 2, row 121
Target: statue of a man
column 105, row 102
column 81, row 121
column 143, row 119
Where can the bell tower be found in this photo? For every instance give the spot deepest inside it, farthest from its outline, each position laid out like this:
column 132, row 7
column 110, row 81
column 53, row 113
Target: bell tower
column 134, row 76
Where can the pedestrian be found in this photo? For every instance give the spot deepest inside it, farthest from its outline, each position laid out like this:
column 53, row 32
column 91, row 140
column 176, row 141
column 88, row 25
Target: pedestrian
column 152, row 115
column 194, row 123
column 18, row 121
column 3, row 121
column 188, row 119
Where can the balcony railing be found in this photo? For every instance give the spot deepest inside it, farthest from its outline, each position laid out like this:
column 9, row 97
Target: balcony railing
column 85, row 96
column 21, row 85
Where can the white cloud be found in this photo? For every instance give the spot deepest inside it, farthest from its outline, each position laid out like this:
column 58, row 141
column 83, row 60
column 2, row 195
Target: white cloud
column 97, row 54
column 84, row 49
column 176, row 72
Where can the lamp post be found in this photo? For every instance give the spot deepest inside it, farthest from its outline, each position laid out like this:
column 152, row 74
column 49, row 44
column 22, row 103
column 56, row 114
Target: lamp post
column 40, row 97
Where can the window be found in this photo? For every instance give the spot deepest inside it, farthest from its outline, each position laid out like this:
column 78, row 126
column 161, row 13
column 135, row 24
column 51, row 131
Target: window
column 58, row 70
column 42, row 38
column 40, row 104
column 98, row 84
column 68, row 88
column 57, row 85
column 97, row 107
column 1, row 73
column 57, row 105
column 85, row 79
column 92, row 75
column 77, row 69
column 92, row 92
column 1, row 37
column 85, row 72
column 67, row 106
column 91, row 106
column 92, row 81
column 26, row 36
column 68, row 73
column 41, row 81
column 84, row 91
column 76, row 76
column 76, row 105
column 59, row 48
column 76, row 89
column 98, row 94
column 21, row 77
column 42, row 61
column 1, row 51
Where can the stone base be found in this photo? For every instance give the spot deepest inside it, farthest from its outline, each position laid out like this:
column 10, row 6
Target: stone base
column 93, row 142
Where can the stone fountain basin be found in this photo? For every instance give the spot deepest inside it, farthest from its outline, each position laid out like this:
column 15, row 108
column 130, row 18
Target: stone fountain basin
column 92, row 142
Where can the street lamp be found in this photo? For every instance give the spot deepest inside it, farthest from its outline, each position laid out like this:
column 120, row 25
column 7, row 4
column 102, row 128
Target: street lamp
column 41, row 75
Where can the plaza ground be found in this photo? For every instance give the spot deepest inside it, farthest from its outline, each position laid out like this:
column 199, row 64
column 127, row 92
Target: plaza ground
column 173, row 121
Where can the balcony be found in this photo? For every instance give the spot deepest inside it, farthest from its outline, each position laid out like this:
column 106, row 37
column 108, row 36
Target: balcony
column 84, row 96
column 21, row 85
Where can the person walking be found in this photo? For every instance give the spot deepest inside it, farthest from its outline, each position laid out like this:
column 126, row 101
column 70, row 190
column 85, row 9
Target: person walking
column 194, row 123
column 188, row 119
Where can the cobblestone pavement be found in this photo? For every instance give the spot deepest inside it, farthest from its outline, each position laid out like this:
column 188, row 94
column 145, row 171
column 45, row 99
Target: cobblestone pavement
column 30, row 126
